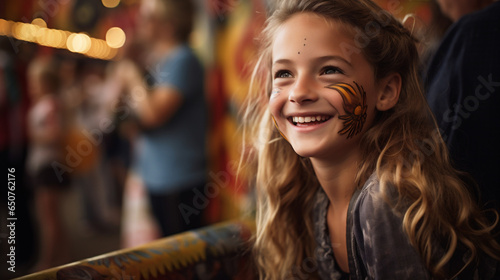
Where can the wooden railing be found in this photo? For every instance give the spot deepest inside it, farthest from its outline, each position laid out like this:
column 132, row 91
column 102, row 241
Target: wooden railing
column 219, row 251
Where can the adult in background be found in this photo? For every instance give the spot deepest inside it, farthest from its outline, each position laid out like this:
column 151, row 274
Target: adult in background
column 167, row 97
column 463, row 91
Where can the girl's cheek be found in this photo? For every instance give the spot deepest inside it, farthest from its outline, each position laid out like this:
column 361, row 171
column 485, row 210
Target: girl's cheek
column 275, row 93
column 276, row 101
column 274, row 109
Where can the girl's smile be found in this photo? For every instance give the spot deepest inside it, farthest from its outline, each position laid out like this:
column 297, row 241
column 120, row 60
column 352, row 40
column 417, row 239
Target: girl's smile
column 308, row 121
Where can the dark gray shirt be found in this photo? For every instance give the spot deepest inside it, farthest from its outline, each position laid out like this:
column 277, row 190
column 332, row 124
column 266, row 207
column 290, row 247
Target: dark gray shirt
column 377, row 246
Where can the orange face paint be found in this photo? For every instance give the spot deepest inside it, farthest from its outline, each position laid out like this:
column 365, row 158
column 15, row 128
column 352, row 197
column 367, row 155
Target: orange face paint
column 354, row 99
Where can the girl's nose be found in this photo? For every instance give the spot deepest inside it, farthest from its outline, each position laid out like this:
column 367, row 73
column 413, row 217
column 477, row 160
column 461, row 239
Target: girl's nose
column 303, row 92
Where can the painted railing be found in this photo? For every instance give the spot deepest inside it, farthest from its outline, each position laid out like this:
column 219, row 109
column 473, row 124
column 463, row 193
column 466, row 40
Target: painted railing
column 219, row 251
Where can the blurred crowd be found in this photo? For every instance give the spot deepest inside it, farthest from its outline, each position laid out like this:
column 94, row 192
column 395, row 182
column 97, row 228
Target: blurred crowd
column 54, row 107
column 73, row 123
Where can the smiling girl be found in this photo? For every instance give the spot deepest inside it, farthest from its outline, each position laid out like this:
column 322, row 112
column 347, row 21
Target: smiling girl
column 353, row 179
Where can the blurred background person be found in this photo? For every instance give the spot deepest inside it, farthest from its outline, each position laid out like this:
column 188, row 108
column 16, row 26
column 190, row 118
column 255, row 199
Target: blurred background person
column 167, row 100
column 47, row 136
column 432, row 34
column 463, row 84
column 92, row 177
column 455, row 9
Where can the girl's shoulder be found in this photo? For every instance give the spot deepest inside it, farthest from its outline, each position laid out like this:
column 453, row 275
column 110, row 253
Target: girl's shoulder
column 375, row 228
column 374, row 198
column 375, row 206
column 376, row 223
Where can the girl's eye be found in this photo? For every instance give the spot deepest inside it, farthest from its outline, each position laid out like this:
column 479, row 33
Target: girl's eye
column 282, row 74
column 328, row 70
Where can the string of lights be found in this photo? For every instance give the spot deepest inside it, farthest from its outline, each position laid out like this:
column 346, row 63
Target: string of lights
column 38, row 32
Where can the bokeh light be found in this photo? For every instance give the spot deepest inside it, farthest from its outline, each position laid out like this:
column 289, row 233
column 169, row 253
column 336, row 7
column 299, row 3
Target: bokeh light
column 39, row 22
column 79, row 43
column 37, row 32
column 115, row 37
column 6, row 27
column 110, row 3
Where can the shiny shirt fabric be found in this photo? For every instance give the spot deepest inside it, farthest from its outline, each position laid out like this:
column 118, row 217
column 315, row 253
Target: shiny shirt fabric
column 376, row 244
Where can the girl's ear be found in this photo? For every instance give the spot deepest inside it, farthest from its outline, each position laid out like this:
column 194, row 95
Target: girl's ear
column 389, row 93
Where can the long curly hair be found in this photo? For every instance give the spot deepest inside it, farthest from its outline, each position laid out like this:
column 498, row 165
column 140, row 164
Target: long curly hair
column 403, row 147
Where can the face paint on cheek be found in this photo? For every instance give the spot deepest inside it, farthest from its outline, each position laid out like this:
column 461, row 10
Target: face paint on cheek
column 354, row 104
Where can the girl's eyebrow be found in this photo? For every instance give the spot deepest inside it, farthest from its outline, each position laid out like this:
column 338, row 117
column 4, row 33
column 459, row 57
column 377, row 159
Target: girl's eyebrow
column 282, row 61
column 333, row 57
column 316, row 60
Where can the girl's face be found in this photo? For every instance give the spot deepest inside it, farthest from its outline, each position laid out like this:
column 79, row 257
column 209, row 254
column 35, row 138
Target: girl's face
column 324, row 90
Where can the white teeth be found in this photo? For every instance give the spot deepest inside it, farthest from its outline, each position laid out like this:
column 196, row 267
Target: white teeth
column 308, row 119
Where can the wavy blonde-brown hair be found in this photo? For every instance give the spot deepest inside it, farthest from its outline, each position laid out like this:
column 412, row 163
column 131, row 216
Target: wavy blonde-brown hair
column 403, row 147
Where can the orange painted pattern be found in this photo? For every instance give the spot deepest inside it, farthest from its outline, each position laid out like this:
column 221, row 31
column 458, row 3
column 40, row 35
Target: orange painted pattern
column 354, row 106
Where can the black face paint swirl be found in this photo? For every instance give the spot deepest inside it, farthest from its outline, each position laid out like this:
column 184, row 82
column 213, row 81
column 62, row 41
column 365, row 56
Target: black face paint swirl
column 354, row 105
